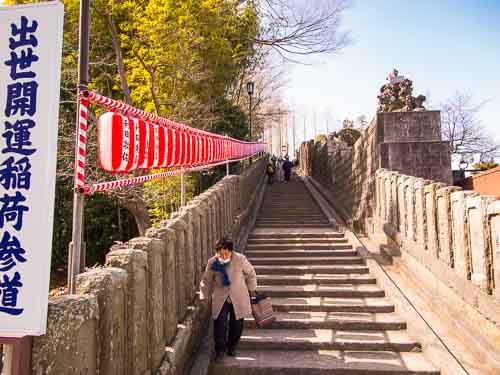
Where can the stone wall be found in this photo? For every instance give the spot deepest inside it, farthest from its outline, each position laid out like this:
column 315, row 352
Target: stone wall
column 139, row 313
column 454, row 234
column 408, row 142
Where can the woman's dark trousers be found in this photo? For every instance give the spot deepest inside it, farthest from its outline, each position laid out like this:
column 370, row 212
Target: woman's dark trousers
column 227, row 334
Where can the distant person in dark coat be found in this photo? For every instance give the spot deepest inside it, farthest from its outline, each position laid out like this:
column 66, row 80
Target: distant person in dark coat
column 287, row 168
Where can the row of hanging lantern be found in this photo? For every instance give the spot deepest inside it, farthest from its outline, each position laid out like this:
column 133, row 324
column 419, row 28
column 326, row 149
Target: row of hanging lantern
column 127, row 143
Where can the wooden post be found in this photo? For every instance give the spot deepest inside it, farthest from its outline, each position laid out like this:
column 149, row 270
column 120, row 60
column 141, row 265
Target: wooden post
column 17, row 355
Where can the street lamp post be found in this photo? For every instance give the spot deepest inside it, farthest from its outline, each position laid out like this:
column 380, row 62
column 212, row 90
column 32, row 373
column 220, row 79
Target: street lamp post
column 250, row 90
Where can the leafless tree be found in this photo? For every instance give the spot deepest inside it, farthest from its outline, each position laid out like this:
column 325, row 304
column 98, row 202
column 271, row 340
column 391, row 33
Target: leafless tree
column 461, row 126
column 297, row 28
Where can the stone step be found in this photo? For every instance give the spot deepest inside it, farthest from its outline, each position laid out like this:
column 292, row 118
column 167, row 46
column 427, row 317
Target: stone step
column 322, row 304
column 332, row 291
column 295, row 235
column 333, row 320
column 324, row 362
column 327, row 339
column 339, row 244
column 301, row 253
column 296, row 240
column 286, row 215
column 310, row 270
column 295, row 221
column 292, row 225
column 307, row 260
column 316, row 280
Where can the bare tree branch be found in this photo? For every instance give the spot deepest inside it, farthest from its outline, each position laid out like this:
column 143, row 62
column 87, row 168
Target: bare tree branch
column 463, row 129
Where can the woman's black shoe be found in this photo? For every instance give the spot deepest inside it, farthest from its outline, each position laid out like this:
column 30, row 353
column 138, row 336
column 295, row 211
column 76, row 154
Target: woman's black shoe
column 231, row 352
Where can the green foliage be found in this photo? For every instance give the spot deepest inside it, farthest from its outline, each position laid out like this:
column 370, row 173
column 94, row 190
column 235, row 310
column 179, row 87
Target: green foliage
column 180, row 59
column 349, row 136
column 484, row 166
column 321, row 138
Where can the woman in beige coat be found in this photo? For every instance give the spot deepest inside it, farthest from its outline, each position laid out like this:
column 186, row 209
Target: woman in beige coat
column 233, row 280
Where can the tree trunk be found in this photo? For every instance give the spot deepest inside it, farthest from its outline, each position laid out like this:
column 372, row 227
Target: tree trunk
column 119, row 59
column 138, row 209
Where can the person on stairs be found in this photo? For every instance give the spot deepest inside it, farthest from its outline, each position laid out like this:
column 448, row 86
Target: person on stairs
column 270, row 170
column 230, row 279
column 287, row 168
column 279, row 169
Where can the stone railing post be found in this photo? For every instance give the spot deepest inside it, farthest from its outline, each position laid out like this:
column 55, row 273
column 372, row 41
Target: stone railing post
column 494, row 235
column 402, row 210
column 171, row 299
column 135, row 263
column 420, row 213
column 195, row 213
column 179, row 226
column 393, row 199
column 108, row 285
column 461, row 246
column 444, row 224
column 478, row 236
column 154, row 249
column 71, row 344
column 410, row 208
column 204, row 241
column 431, row 217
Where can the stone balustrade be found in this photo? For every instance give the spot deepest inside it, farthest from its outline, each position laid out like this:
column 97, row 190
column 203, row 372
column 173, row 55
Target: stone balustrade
column 454, row 234
column 139, row 313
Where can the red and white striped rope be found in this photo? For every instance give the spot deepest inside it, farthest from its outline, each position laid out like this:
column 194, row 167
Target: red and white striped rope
column 129, row 110
column 110, row 185
column 81, row 144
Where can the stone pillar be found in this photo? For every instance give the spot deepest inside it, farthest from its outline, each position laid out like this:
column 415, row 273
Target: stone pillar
column 220, row 211
column 480, row 256
column 204, row 237
column 108, row 285
column 410, row 208
column 136, row 346
column 179, row 226
column 444, row 225
column 402, row 212
column 189, row 234
column 380, row 186
column 71, row 343
column 171, row 299
column 494, row 226
column 154, row 249
column 461, row 246
column 431, row 217
column 393, row 199
column 420, row 213
column 197, row 245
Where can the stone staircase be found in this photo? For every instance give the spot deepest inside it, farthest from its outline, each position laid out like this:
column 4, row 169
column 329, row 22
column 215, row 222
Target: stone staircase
column 332, row 318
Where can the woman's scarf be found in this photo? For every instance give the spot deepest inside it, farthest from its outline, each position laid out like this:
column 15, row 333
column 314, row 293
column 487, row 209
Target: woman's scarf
column 218, row 266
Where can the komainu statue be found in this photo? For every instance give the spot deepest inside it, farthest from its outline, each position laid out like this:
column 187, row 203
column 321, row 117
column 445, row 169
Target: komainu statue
column 397, row 95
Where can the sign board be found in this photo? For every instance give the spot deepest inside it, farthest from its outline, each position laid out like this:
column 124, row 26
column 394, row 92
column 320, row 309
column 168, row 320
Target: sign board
column 30, row 69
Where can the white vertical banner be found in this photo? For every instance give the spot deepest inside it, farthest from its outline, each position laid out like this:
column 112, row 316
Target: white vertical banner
column 30, row 70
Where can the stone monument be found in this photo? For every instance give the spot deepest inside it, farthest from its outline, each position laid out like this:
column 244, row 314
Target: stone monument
column 397, row 95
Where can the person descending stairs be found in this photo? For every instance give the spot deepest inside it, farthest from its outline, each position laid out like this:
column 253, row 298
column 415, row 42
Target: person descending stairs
column 332, row 318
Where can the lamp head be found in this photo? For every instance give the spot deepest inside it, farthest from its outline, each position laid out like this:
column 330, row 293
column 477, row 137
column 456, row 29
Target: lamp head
column 250, row 88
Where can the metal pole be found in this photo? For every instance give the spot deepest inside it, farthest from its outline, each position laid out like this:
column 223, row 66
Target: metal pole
column 183, row 188
column 227, row 169
column 250, row 123
column 250, row 116
column 78, row 198
column 293, row 134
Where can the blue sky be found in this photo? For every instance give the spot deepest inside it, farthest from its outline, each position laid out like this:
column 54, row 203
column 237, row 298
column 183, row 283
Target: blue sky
column 442, row 45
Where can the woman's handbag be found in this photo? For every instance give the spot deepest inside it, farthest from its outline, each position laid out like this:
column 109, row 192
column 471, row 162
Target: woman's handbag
column 262, row 309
